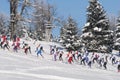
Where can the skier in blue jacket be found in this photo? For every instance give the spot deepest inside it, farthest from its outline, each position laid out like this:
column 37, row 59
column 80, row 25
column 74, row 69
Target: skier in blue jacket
column 40, row 51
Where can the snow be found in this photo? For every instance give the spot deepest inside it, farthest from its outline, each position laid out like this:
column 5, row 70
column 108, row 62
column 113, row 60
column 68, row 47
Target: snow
column 73, row 36
column 68, row 45
column 68, row 31
column 87, row 24
column 101, row 21
column 97, row 29
column 28, row 20
column 103, row 47
column 88, row 34
column 68, row 39
column 61, row 41
column 118, row 39
column 110, row 31
column 98, row 6
column 83, row 29
column 18, row 66
column 117, row 43
column 118, row 26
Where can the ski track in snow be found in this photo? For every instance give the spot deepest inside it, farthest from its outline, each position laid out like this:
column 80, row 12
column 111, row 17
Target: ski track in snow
column 40, row 76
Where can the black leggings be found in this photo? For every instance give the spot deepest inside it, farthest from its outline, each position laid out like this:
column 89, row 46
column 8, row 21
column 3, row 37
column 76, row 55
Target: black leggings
column 104, row 65
column 118, row 67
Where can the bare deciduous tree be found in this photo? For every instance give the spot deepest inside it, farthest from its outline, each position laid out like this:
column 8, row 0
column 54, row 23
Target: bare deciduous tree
column 16, row 13
column 43, row 13
column 13, row 14
column 3, row 23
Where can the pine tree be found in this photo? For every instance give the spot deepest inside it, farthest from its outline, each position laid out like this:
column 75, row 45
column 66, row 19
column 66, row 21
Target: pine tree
column 117, row 35
column 69, row 35
column 63, row 32
column 96, row 34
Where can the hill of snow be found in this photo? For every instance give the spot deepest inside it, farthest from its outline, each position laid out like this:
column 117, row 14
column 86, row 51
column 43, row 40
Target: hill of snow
column 18, row 66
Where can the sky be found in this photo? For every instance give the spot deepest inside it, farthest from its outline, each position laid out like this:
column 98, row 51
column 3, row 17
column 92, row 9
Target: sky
column 74, row 8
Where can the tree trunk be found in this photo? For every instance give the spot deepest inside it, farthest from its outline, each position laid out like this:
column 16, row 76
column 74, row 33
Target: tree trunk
column 13, row 19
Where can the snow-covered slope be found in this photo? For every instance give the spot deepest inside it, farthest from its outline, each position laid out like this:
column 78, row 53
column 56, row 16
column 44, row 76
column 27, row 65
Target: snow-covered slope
column 18, row 66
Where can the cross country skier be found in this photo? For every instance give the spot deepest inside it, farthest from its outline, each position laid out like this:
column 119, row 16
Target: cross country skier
column 3, row 39
column 60, row 56
column 100, row 60
column 118, row 67
column 79, row 56
column 105, row 61
column 39, row 50
column 95, row 58
column 70, row 57
column 26, row 47
column 15, row 48
column 52, row 50
column 73, row 55
column 113, row 59
column 89, row 63
column 55, row 54
column 83, row 59
column 6, row 45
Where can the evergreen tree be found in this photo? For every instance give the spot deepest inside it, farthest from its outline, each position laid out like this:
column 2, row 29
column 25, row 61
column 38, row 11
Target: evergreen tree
column 117, row 35
column 96, row 34
column 62, row 32
column 69, row 35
